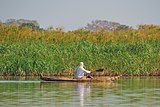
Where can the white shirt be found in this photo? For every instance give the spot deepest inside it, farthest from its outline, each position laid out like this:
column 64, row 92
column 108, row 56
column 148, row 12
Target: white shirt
column 80, row 72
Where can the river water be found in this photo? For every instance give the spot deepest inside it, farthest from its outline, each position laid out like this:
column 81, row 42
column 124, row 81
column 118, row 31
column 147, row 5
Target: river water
column 126, row 92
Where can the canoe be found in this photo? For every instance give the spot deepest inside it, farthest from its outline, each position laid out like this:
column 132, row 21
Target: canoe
column 95, row 79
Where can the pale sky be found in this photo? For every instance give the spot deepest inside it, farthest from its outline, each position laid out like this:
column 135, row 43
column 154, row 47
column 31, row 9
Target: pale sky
column 74, row 14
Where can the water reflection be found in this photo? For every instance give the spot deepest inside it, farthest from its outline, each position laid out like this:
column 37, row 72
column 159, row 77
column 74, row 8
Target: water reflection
column 83, row 89
column 77, row 94
column 136, row 92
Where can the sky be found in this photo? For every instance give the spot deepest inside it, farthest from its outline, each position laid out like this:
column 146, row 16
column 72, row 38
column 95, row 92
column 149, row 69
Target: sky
column 74, row 14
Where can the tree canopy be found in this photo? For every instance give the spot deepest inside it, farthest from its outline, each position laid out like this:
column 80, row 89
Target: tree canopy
column 23, row 23
column 105, row 25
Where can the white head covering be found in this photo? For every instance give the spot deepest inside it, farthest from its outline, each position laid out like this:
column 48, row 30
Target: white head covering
column 81, row 64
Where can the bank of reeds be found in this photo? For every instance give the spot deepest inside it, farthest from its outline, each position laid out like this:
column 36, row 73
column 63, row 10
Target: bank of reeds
column 25, row 51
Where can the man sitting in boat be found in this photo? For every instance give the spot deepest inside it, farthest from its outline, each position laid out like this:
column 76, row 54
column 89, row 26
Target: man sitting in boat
column 80, row 72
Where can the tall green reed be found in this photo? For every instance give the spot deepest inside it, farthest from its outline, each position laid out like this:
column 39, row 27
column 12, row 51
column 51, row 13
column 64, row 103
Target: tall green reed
column 24, row 51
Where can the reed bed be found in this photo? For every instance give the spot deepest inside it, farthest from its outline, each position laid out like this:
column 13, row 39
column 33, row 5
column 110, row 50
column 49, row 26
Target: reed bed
column 25, row 51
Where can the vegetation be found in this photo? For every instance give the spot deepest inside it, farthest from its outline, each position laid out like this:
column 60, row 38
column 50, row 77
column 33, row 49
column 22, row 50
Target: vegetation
column 23, row 23
column 105, row 25
column 26, row 51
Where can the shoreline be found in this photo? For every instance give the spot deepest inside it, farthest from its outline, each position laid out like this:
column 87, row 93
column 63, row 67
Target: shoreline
column 97, row 75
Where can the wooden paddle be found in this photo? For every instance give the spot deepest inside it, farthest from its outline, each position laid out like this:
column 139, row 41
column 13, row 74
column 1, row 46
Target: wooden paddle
column 98, row 70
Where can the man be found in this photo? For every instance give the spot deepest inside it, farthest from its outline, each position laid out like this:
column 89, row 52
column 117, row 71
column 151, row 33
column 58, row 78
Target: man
column 80, row 72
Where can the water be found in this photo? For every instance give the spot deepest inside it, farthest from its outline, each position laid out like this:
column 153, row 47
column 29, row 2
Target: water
column 128, row 92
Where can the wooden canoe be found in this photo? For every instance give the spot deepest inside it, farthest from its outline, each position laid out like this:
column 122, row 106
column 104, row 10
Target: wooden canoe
column 96, row 79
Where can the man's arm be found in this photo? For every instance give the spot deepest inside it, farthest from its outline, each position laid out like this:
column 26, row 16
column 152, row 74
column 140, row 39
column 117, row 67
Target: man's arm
column 86, row 70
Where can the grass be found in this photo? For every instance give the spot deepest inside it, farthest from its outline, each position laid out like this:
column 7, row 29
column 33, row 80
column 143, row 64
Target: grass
column 25, row 51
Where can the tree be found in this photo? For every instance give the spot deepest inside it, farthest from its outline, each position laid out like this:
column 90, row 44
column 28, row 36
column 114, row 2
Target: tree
column 22, row 23
column 11, row 22
column 30, row 25
column 105, row 25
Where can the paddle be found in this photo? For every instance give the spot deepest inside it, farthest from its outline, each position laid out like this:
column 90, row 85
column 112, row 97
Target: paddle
column 98, row 70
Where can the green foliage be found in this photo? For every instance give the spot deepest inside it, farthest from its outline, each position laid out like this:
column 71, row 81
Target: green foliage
column 30, row 25
column 24, row 51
